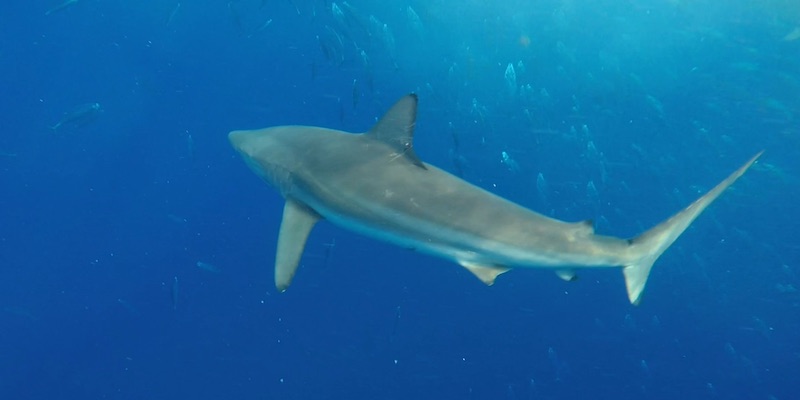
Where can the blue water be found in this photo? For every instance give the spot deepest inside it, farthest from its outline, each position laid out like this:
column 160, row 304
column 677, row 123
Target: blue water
column 627, row 111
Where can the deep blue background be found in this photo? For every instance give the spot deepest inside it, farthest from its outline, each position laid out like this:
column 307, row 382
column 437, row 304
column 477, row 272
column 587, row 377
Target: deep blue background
column 97, row 221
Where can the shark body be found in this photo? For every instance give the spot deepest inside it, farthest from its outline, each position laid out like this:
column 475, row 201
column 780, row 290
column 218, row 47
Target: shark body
column 374, row 184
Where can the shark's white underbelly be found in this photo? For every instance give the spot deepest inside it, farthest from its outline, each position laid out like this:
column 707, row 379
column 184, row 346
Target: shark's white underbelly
column 442, row 241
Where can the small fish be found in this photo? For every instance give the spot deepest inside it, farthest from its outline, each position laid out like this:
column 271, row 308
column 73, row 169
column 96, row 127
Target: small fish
column 190, row 145
column 236, row 18
column 455, row 155
column 174, row 293
column 128, row 306
column 511, row 79
column 509, row 162
column 793, row 35
column 61, row 7
column 173, row 13
column 395, row 324
column 338, row 14
column 541, row 188
column 328, row 250
column 296, row 8
column 80, row 116
column 416, row 22
column 332, row 46
column 207, row 267
column 20, row 312
column 264, row 25
column 356, row 93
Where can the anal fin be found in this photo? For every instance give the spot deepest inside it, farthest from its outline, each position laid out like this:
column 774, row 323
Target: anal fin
column 298, row 220
column 568, row 275
column 486, row 273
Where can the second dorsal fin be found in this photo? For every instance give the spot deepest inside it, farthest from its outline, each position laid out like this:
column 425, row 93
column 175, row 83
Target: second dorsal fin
column 585, row 227
column 396, row 128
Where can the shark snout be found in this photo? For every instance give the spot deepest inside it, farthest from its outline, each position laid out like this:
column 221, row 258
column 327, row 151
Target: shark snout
column 250, row 144
column 238, row 139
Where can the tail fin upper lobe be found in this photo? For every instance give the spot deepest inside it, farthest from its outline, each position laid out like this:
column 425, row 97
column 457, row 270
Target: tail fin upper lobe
column 652, row 243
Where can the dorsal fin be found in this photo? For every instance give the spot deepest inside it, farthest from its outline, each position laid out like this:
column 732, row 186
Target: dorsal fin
column 396, row 128
column 585, row 227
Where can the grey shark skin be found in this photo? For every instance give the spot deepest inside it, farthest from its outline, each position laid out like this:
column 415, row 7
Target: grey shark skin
column 374, row 184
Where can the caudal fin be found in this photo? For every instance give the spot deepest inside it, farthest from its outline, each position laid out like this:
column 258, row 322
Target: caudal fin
column 651, row 244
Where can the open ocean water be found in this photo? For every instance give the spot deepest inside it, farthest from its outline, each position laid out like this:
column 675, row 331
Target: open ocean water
column 136, row 248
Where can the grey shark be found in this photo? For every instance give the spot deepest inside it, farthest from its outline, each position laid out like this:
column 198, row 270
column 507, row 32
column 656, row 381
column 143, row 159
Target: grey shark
column 373, row 183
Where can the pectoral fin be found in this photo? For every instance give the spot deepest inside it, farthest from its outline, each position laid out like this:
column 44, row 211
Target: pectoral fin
column 486, row 273
column 297, row 222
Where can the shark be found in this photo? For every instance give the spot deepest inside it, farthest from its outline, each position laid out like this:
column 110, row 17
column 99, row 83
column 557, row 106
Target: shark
column 373, row 183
